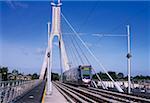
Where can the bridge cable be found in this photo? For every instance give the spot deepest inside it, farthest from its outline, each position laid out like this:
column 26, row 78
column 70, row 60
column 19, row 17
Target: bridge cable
column 74, row 41
column 82, row 51
column 92, row 54
column 69, row 47
column 73, row 38
column 72, row 50
column 77, row 50
column 102, row 84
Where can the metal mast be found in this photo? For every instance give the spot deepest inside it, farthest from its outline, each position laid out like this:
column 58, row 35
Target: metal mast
column 129, row 58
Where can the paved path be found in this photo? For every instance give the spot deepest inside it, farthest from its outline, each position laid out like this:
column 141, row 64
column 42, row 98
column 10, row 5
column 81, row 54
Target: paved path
column 56, row 97
column 33, row 96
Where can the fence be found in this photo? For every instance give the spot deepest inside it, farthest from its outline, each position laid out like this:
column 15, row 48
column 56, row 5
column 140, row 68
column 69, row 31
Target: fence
column 10, row 91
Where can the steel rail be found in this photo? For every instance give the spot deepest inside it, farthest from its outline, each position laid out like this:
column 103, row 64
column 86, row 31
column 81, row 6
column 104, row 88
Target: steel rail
column 64, row 94
column 108, row 95
column 93, row 96
column 77, row 98
column 127, row 96
column 80, row 95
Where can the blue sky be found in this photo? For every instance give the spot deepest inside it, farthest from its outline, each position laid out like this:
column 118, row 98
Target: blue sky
column 23, row 33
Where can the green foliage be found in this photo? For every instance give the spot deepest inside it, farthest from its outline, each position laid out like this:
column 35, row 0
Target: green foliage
column 113, row 74
column 35, row 76
column 119, row 76
column 104, row 76
column 4, row 73
column 15, row 72
column 141, row 77
column 55, row 76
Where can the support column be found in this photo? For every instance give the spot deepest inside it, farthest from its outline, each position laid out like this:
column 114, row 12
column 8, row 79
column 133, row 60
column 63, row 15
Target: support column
column 49, row 63
column 64, row 59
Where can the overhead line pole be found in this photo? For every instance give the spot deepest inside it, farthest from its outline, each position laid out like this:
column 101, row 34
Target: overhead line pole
column 129, row 58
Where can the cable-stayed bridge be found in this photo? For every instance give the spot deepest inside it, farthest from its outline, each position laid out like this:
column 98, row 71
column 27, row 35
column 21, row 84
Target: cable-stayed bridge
column 76, row 68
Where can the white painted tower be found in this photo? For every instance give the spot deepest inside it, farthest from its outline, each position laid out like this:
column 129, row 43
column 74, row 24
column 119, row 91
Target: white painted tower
column 55, row 30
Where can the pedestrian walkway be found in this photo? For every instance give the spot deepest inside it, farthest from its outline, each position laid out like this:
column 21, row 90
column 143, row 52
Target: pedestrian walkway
column 33, row 96
column 55, row 97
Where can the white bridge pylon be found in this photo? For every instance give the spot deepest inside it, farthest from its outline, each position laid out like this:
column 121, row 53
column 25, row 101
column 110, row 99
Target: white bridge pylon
column 55, row 30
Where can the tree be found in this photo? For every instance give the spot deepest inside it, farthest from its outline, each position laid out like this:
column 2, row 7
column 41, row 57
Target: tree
column 102, row 75
column 112, row 74
column 4, row 73
column 141, row 77
column 120, row 75
column 55, row 76
column 15, row 72
column 29, row 75
column 35, row 76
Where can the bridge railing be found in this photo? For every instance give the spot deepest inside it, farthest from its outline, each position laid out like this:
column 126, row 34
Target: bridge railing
column 10, row 91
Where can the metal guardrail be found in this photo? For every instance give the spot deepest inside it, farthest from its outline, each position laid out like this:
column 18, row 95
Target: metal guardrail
column 10, row 91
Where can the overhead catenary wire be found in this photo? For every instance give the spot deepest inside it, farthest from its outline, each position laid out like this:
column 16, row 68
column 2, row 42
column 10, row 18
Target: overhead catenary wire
column 92, row 54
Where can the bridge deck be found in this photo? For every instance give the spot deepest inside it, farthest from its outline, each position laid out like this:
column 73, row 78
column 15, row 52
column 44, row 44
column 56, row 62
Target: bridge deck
column 56, row 97
column 33, row 96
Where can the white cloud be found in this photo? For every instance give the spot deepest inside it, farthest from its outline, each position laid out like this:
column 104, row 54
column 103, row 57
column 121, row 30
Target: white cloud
column 20, row 4
column 16, row 4
column 10, row 3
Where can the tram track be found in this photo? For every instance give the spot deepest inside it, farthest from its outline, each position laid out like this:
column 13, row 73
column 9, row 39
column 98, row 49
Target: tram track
column 93, row 95
column 82, row 96
column 122, row 96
